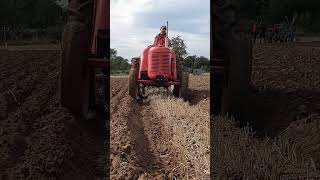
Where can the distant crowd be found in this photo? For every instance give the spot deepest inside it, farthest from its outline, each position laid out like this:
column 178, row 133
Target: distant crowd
column 283, row 32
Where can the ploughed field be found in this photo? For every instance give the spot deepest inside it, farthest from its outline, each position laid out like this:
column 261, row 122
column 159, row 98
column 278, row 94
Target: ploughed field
column 39, row 140
column 160, row 137
column 284, row 115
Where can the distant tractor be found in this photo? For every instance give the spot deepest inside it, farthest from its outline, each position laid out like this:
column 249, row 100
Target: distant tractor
column 284, row 32
column 157, row 67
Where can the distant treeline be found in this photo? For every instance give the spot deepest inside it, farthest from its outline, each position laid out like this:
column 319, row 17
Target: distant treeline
column 195, row 62
column 31, row 19
column 43, row 19
column 34, row 14
column 119, row 65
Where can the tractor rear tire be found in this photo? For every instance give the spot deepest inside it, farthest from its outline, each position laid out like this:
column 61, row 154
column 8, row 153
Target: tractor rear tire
column 133, row 78
column 181, row 91
column 220, row 101
column 74, row 79
column 235, row 96
column 184, row 85
column 230, row 94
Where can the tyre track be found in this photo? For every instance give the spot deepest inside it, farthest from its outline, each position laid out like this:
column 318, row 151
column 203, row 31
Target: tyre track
column 118, row 92
column 160, row 145
column 129, row 155
column 140, row 147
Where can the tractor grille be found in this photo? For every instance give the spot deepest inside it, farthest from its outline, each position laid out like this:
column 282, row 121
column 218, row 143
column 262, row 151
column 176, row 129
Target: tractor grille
column 160, row 63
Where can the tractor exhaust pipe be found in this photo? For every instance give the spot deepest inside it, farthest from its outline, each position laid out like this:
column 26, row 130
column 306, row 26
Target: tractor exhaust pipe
column 167, row 29
column 167, row 36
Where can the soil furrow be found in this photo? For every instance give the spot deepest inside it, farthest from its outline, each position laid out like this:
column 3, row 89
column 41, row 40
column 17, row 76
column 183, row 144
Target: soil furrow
column 38, row 139
column 141, row 144
column 159, row 142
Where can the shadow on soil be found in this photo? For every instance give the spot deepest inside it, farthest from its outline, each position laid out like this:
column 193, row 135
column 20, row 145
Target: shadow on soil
column 195, row 96
column 141, row 146
column 272, row 111
column 96, row 150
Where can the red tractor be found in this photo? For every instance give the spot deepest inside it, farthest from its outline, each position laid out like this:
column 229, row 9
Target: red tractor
column 84, row 75
column 157, row 67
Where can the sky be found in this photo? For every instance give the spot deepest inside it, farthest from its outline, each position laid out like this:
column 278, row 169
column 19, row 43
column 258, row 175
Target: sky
column 134, row 24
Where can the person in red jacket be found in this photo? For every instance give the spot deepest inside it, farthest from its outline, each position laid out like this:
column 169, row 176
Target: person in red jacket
column 160, row 39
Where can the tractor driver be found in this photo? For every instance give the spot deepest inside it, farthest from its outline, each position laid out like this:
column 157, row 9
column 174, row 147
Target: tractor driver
column 160, row 39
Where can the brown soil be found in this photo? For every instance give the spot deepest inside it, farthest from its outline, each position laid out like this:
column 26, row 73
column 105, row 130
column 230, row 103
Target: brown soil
column 285, row 106
column 199, row 91
column 142, row 146
column 38, row 139
column 287, row 78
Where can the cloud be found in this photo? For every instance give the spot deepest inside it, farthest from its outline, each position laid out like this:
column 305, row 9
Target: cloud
column 134, row 24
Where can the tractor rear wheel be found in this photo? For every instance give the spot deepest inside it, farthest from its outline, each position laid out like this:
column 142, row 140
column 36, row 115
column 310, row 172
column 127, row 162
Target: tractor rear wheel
column 231, row 91
column 223, row 29
column 182, row 89
column 235, row 96
column 184, row 85
column 133, row 78
column 74, row 79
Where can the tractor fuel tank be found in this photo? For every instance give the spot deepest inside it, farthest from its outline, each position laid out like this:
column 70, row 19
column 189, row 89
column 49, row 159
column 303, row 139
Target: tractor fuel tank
column 159, row 63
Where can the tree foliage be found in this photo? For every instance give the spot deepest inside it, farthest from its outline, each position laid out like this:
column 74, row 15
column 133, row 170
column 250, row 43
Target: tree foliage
column 118, row 63
column 194, row 62
column 179, row 47
column 113, row 53
column 26, row 20
column 30, row 13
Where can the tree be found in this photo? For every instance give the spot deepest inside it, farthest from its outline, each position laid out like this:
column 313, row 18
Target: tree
column 179, row 47
column 30, row 13
column 202, row 62
column 113, row 53
column 194, row 62
column 189, row 61
column 118, row 63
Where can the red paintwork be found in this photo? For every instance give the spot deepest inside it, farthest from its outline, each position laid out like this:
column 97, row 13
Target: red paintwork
column 155, row 83
column 101, row 21
column 158, row 60
column 143, row 61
